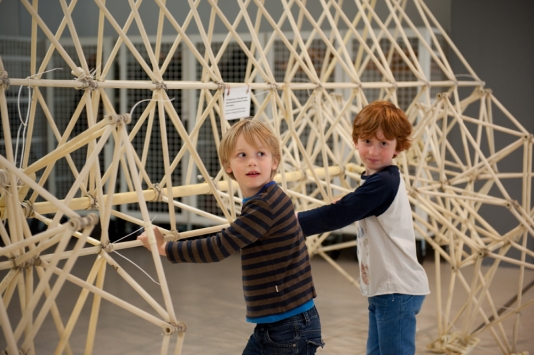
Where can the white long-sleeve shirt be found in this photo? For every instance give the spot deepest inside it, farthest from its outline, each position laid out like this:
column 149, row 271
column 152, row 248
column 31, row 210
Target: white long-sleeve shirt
column 386, row 238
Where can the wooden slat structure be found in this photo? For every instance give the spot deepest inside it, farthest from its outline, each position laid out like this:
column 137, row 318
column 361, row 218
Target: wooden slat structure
column 455, row 170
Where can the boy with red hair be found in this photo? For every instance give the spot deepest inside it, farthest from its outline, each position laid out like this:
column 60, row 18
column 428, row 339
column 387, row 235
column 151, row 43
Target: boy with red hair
column 390, row 275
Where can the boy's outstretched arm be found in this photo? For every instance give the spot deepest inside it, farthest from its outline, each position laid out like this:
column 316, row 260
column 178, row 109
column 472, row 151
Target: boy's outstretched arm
column 160, row 241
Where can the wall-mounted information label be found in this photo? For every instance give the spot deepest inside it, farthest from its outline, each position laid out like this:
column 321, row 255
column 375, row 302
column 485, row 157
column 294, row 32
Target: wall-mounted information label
column 237, row 103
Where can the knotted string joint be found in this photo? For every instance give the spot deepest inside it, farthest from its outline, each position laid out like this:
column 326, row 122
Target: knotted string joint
column 35, row 261
column 124, row 118
column 108, row 248
column 29, row 211
column 174, row 328
column 159, row 85
column 87, row 80
column 82, row 222
column 157, row 189
column 4, row 80
column 175, row 235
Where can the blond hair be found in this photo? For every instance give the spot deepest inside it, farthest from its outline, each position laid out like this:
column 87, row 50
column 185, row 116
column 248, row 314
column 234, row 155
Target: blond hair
column 250, row 130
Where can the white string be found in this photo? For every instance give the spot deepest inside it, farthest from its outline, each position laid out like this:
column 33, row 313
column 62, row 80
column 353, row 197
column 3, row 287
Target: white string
column 137, row 266
column 135, row 231
column 93, row 72
column 25, row 122
column 22, row 123
column 261, row 93
column 133, row 108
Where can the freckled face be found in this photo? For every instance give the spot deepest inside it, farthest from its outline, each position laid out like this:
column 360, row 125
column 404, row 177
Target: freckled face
column 251, row 165
column 376, row 152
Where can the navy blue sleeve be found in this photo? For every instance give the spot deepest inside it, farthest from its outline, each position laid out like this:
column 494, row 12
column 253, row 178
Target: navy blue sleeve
column 370, row 199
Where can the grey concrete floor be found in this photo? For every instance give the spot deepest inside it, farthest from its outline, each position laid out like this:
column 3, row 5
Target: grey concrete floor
column 209, row 300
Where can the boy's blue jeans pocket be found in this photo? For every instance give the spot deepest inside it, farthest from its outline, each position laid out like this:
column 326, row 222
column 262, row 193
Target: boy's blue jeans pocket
column 300, row 334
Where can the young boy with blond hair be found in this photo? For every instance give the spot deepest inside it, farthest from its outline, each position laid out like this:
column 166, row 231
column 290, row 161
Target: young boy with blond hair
column 276, row 272
column 390, row 275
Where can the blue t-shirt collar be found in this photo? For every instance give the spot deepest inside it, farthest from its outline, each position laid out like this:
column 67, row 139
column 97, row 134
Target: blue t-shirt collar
column 270, row 183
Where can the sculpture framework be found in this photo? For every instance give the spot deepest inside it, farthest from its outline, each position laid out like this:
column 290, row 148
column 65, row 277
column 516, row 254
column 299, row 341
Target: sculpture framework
column 452, row 171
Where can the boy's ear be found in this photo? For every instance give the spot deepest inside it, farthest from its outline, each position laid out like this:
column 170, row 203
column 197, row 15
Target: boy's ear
column 275, row 165
column 228, row 169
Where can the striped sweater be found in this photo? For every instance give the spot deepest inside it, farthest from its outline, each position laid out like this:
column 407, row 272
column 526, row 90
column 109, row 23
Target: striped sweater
column 275, row 265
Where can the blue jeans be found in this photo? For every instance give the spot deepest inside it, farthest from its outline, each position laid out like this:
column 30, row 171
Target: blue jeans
column 392, row 324
column 300, row 334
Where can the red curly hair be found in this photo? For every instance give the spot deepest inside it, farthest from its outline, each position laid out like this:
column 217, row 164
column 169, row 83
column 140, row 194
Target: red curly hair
column 386, row 116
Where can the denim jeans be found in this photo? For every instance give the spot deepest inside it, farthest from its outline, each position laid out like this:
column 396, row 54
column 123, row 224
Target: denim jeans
column 300, row 334
column 392, row 324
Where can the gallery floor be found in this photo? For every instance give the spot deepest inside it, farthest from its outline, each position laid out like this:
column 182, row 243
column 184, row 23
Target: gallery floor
column 208, row 298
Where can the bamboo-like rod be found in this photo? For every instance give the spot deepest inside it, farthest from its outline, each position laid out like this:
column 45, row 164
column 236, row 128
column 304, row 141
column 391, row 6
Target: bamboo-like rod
column 165, row 344
column 190, row 45
column 261, row 66
column 166, row 162
column 421, row 5
column 176, row 42
column 135, row 286
column 74, row 36
column 35, row 252
column 7, row 250
column 84, row 203
column 49, row 35
column 193, row 153
column 28, row 181
column 91, row 159
column 338, row 246
column 107, row 206
column 293, row 64
column 5, row 119
column 90, row 135
column 46, row 59
column 348, row 70
column 197, row 85
column 413, row 66
column 61, row 139
column 118, row 43
column 50, row 300
column 45, row 279
column 151, row 55
column 6, row 282
column 152, row 239
column 506, row 316
column 309, row 71
column 113, row 299
column 97, row 301
column 179, row 343
column 11, row 342
column 339, row 268
column 78, row 307
column 196, row 211
column 126, row 40
column 449, row 184
column 30, row 128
